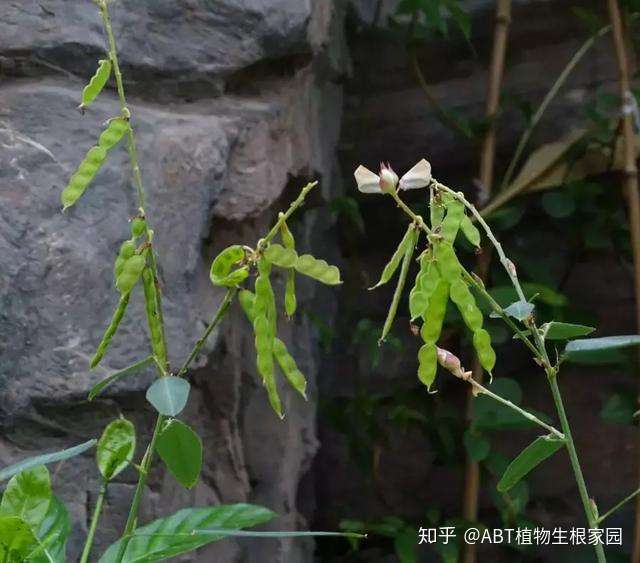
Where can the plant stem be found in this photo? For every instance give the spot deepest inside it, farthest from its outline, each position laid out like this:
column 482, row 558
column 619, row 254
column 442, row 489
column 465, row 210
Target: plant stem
column 616, row 507
column 575, row 463
column 222, row 310
column 133, row 159
column 97, row 511
column 482, row 390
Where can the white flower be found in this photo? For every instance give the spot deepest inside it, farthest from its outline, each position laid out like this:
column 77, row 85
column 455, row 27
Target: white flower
column 371, row 183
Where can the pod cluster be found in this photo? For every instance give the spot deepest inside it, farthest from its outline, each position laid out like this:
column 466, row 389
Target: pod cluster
column 231, row 267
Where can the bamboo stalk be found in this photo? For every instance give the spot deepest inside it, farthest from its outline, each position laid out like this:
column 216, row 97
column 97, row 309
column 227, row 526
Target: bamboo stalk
column 487, row 162
column 630, row 182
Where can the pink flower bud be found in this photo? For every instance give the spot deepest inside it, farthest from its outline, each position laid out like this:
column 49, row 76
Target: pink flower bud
column 388, row 178
column 450, row 362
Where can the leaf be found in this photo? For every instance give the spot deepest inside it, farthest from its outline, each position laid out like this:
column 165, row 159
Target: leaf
column 558, row 204
column 115, row 376
column 535, row 453
column 116, row 447
column 169, row 395
column 45, row 459
column 27, row 496
column 181, row 450
column 477, row 445
column 17, row 540
column 577, row 348
column 619, row 409
column 53, row 534
column 519, row 310
column 406, row 545
column 144, row 546
column 564, row 331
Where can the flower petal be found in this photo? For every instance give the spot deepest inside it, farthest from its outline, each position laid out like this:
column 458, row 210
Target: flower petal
column 418, row 177
column 368, row 182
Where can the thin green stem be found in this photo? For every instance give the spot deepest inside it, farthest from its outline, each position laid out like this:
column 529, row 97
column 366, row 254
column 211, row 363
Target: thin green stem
column 482, row 390
column 222, row 310
column 144, row 469
column 551, row 94
column 575, row 463
column 97, row 511
column 618, row 506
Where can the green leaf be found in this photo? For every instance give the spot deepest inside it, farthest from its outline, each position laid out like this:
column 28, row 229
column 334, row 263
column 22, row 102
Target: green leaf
column 477, row 445
column 519, row 310
column 116, row 447
column 576, row 348
column 53, row 534
column 145, row 546
column 619, row 409
column 45, row 459
column 535, row 453
column 169, row 395
column 16, row 539
column 181, row 450
column 117, row 375
column 406, row 545
column 27, row 496
column 558, row 205
column 564, row 331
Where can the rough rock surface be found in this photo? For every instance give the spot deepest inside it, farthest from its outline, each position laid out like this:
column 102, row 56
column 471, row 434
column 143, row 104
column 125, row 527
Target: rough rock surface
column 221, row 148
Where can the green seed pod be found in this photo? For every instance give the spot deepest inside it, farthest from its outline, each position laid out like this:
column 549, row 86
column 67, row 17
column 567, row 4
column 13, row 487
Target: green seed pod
column 482, row 345
column 281, row 256
column 427, row 364
column 117, row 267
column 114, row 132
column 318, row 269
column 395, row 260
column 470, row 231
column 434, row 315
column 290, row 300
column 127, row 249
column 131, row 272
column 272, row 392
column 264, row 346
column 247, row 302
column 406, row 261
column 221, row 273
column 83, row 176
column 153, row 316
column 287, row 238
column 450, row 268
column 436, row 210
column 289, row 367
column 418, row 302
column 138, row 227
column 466, row 303
column 96, row 84
column 451, row 223
column 111, row 330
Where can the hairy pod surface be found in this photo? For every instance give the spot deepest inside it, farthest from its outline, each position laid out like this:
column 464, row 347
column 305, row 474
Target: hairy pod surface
column 470, row 231
column 113, row 134
column 434, row 316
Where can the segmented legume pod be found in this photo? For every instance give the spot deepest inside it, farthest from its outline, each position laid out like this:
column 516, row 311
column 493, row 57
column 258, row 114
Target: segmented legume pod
column 396, row 258
column 482, row 345
column 451, row 222
column 131, row 272
column 434, row 315
column 113, row 134
column 448, row 264
column 247, row 302
column 264, row 346
column 281, row 256
column 83, row 176
column 138, row 227
column 436, row 210
column 289, row 367
column 153, row 317
column 404, row 270
column 287, row 238
column 427, row 364
column 111, row 330
column 127, row 250
column 466, row 303
column 272, row 392
column 470, row 231
column 221, row 266
column 290, row 300
column 96, row 83
column 318, row 269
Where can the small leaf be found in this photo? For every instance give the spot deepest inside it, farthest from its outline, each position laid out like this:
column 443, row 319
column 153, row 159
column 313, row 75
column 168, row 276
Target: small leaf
column 576, row 348
column 477, row 445
column 619, row 409
column 181, row 450
column 45, row 459
column 116, row 447
column 535, row 453
column 519, row 310
column 175, row 532
column 564, row 331
column 169, row 395
column 27, row 496
column 117, row 375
